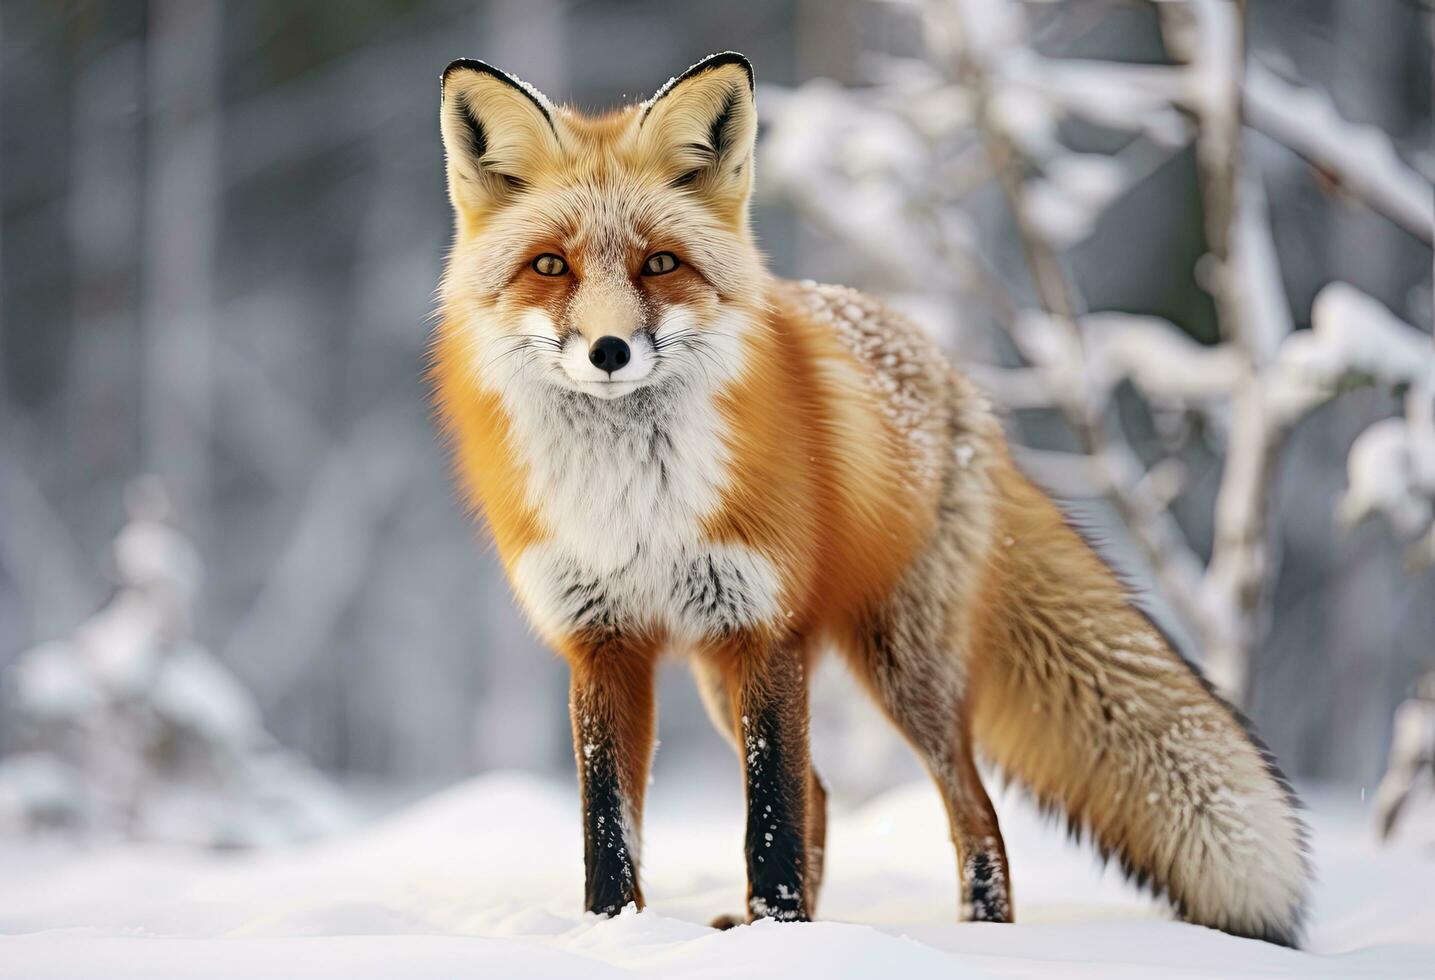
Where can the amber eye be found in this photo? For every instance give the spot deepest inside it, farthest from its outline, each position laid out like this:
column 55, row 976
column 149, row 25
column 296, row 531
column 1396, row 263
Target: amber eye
column 549, row 265
column 660, row 263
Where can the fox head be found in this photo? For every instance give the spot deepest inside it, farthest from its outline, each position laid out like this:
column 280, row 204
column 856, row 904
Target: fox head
column 601, row 254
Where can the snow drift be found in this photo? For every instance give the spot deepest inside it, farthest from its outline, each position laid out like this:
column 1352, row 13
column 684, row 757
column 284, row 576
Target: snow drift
column 485, row 879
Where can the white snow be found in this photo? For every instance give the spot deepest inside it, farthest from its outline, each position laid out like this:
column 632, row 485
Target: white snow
column 1352, row 335
column 1127, row 97
column 485, row 880
column 1028, row 118
column 1064, row 206
column 1383, row 478
column 1152, row 353
column 1157, row 357
column 1354, row 332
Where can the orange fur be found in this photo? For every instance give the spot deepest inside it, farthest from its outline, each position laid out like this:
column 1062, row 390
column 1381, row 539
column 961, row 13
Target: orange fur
column 795, row 491
column 481, row 448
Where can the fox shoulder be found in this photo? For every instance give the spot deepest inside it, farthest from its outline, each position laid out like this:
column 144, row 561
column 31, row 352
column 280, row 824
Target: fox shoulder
column 923, row 403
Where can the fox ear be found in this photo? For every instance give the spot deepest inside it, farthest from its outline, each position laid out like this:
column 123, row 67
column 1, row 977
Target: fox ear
column 498, row 135
column 702, row 127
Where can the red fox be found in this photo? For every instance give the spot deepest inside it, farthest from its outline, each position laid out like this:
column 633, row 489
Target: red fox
column 675, row 450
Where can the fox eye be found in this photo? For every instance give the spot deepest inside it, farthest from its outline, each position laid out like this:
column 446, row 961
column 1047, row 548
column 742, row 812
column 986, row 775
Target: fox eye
column 549, row 264
column 660, row 263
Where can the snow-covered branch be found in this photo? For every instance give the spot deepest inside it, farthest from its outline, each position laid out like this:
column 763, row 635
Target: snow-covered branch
column 1391, row 466
column 1358, row 158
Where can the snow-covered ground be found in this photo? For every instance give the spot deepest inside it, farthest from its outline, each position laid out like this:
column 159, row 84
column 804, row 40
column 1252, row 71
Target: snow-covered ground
column 485, row 880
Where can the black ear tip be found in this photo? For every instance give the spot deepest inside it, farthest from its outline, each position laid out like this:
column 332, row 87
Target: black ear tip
column 724, row 58
column 483, row 67
column 473, row 64
column 712, row 61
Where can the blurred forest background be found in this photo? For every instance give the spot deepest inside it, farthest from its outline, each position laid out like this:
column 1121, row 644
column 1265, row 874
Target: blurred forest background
column 223, row 223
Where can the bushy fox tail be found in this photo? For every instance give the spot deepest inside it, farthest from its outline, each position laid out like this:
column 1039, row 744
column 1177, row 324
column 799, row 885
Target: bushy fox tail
column 1077, row 696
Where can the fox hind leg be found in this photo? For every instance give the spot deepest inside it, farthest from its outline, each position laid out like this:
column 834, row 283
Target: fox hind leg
column 902, row 657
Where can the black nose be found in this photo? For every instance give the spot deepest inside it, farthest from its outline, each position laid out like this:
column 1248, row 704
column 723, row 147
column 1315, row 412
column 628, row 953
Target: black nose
column 609, row 353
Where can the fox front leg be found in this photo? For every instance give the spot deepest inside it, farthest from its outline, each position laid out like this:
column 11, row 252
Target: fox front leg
column 614, row 718
column 770, row 697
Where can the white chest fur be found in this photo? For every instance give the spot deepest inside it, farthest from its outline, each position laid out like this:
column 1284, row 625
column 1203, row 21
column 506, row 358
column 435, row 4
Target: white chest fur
column 623, row 488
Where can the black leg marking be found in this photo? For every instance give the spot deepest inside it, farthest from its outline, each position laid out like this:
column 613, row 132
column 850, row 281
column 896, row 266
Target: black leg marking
column 611, row 878
column 776, row 766
column 984, row 885
column 612, row 743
